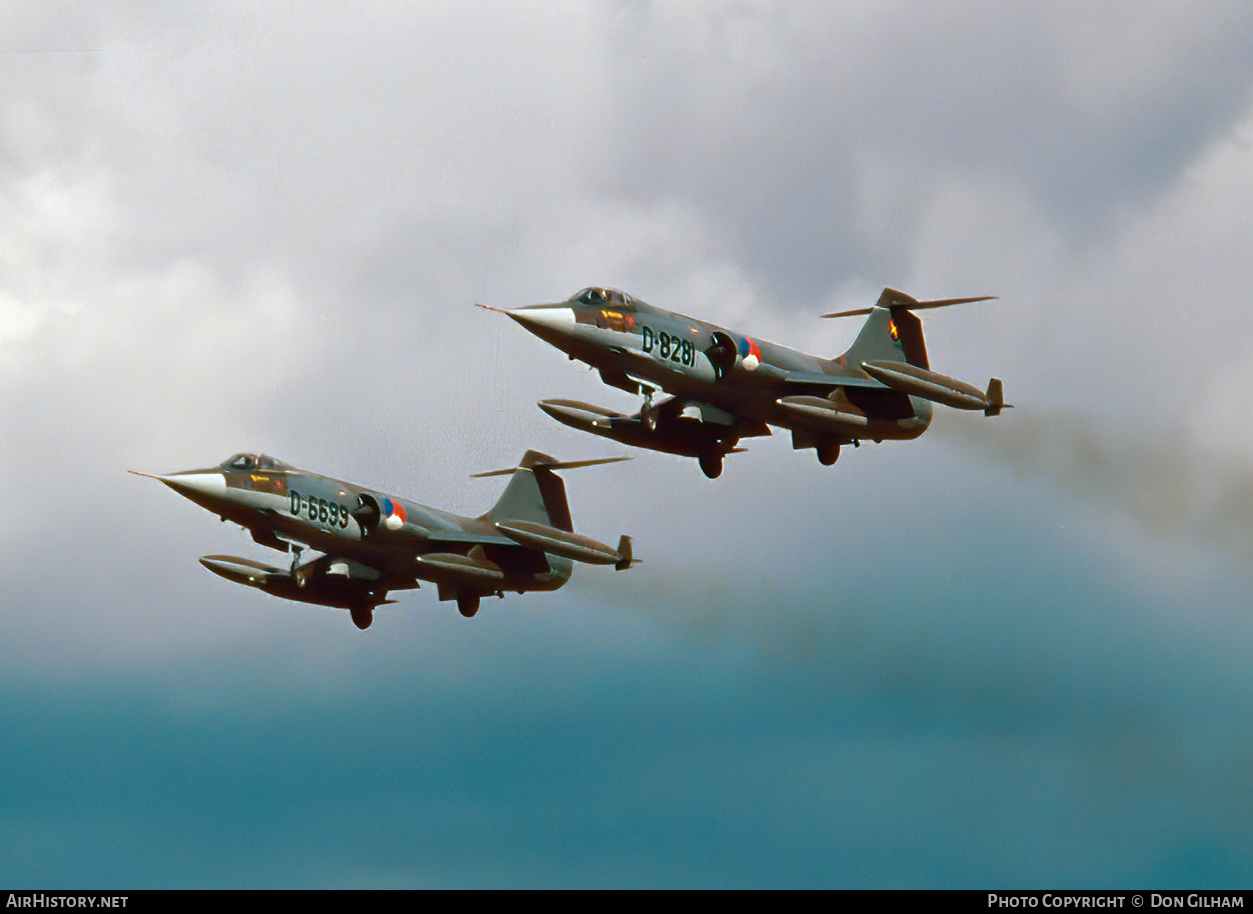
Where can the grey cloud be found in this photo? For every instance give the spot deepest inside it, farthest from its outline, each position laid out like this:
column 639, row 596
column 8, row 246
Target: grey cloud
column 816, row 143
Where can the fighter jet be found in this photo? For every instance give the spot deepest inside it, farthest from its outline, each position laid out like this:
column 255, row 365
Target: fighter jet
column 725, row 386
column 371, row 543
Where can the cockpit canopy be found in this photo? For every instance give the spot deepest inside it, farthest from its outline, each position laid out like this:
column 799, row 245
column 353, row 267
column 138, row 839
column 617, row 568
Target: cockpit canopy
column 253, row 462
column 601, row 297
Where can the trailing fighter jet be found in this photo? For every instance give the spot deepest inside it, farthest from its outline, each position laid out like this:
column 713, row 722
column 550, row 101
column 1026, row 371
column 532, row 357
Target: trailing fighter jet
column 371, row 543
column 726, row 386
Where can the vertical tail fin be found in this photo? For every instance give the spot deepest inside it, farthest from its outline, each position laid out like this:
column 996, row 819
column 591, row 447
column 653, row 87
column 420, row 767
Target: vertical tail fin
column 891, row 333
column 995, row 398
column 534, row 493
column 625, row 551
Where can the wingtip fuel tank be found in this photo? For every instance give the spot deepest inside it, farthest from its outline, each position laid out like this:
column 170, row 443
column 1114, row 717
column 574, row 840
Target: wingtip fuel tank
column 582, row 416
column 685, row 438
column 920, row 382
column 566, row 543
column 303, row 584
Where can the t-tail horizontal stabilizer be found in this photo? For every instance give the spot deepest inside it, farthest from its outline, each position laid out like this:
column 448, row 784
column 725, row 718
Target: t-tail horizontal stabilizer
column 891, row 298
column 534, row 460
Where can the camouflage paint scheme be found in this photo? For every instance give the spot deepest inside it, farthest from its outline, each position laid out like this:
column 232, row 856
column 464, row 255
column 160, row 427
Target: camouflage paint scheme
column 372, row 543
column 725, row 386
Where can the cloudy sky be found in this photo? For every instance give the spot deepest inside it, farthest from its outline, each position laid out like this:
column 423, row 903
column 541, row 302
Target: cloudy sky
column 1011, row 653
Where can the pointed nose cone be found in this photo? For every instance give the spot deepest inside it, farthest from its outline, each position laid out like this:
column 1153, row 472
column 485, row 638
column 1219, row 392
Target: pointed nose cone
column 195, row 483
column 558, row 315
column 205, row 487
column 551, row 323
column 555, row 324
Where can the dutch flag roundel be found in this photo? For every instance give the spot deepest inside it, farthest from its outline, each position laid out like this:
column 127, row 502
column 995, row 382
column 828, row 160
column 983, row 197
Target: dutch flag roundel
column 394, row 514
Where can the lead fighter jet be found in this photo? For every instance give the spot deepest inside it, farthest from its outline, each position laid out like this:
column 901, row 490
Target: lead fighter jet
column 726, row 386
column 372, row 543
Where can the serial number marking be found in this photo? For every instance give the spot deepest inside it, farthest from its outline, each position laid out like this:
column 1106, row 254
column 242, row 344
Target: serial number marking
column 319, row 510
column 668, row 348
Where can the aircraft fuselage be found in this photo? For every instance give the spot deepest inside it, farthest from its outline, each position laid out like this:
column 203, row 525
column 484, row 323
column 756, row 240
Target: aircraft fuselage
column 370, row 542
column 631, row 342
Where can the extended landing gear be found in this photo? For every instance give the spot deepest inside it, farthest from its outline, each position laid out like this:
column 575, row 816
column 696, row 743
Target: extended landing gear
column 467, row 604
column 828, row 451
column 648, row 412
column 362, row 616
column 711, row 464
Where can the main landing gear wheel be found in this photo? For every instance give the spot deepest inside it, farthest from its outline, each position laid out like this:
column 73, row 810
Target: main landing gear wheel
column 828, row 452
column 362, row 616
column 467, row 604
column 711, row 464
